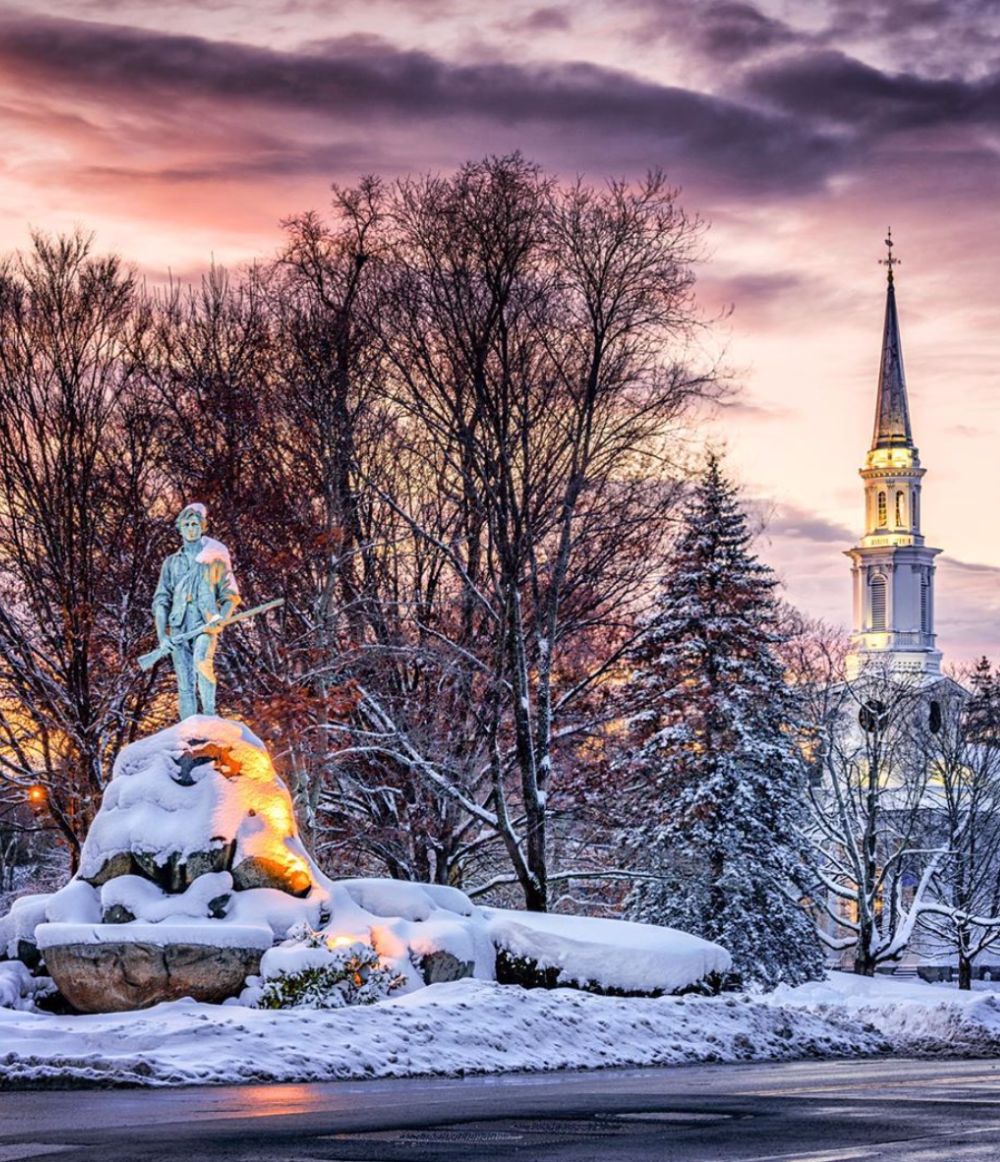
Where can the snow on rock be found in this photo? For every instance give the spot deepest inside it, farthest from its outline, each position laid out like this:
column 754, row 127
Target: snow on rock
column 426, row 932
column 197, row 797
column 468, row 1026
column 191, row 932
column 76, row 903
column 17, row 928
column 612, row 955
column 914, row 1016
column 409, row 901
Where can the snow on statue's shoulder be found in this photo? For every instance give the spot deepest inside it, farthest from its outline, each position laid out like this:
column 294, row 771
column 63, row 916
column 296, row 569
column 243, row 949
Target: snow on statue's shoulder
column 214, row 552
column 609, row 955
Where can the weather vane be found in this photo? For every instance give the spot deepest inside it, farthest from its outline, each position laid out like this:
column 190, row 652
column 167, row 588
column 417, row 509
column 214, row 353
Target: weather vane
column 890, row 260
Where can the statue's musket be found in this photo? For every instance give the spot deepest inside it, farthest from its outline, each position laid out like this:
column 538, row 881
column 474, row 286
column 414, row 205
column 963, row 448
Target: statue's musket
column 148, row 661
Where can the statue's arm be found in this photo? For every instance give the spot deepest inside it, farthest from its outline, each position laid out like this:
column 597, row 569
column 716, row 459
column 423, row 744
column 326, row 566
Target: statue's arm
column 162, row 599
column 227, row 594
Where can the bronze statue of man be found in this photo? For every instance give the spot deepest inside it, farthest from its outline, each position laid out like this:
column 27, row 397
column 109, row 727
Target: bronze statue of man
column 196, row 589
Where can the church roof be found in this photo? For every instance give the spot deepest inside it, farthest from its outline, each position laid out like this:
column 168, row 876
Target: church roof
column 892, row 412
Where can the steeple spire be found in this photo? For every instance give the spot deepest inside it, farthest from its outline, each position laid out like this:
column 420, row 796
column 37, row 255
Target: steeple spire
column 892, row 412
column 893, row 569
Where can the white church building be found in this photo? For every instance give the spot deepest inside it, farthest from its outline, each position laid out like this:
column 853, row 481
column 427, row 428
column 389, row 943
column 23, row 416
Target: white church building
column 893, row 651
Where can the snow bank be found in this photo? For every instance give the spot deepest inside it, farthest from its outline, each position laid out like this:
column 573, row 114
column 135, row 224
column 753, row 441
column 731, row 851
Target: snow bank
column 467, row 1026
column 915, row 1017
column 474, row 1026
column 611, row 954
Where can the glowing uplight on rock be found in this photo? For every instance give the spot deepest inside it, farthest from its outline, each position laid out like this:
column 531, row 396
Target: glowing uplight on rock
column 342, row 941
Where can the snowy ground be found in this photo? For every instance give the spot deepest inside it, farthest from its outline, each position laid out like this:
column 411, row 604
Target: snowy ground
column 914, row 1017
column 475, row 1026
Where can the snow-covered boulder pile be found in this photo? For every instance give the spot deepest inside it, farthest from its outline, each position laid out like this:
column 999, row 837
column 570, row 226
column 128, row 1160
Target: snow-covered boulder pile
column 193, row 882
column 197, row 798
column 192, row 868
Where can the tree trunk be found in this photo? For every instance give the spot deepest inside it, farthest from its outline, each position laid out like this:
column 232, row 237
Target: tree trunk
column 864, row 961
column 536, row 897
column 964, row 971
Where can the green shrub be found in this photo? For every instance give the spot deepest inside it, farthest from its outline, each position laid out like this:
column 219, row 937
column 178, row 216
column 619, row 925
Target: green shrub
column 328, row 978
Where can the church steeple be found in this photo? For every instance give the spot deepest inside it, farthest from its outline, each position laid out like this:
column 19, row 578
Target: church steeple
column 893, row 569
column 892, row 412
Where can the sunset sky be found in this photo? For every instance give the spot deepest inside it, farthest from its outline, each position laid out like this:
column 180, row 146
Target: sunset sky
column 799, row 130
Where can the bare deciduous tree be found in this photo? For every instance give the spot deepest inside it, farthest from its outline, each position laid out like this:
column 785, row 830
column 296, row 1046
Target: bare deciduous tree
column 870, row 809
column 75, row 491
column 962, row 915
column 535, row 340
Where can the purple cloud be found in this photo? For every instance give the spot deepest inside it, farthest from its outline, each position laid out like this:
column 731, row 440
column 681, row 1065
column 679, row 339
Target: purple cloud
column 600, row 116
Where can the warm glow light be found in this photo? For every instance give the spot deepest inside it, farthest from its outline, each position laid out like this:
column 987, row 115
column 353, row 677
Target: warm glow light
column 890, row 458
column 342, row 941
column 877, row 541
column 37, row 795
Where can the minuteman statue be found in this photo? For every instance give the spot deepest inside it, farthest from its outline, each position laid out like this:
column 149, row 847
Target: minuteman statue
column 196, row 589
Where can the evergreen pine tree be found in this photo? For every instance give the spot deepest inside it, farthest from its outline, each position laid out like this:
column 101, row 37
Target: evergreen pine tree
column 983, row 708
column 719, row 781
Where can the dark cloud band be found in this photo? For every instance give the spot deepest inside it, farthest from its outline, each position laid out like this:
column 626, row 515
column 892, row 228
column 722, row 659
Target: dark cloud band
column 608, row 113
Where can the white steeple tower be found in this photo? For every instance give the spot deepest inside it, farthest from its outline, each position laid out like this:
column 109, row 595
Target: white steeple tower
column 893, row 570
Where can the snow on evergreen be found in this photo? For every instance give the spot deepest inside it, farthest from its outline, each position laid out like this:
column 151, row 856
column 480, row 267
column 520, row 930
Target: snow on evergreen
column 715, row 772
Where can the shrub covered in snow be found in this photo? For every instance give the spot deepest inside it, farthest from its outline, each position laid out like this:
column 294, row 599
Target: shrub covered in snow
column 19, row 989
column 314, row 970
column 613, row 957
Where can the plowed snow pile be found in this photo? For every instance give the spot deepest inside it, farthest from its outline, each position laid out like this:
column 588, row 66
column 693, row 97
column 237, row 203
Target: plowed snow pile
column 468, row 1026
column 478, row 1026
column 916, row 1018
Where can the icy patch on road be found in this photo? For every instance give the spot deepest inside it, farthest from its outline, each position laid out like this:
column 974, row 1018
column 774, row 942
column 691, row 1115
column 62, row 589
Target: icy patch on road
column 468, row 1026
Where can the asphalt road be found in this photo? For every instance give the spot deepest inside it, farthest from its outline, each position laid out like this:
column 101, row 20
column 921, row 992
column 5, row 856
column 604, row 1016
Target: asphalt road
column 831, row 1111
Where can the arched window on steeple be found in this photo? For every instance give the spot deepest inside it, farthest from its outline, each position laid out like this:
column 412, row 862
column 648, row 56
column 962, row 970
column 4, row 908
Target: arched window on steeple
column 916, row 510
column 900, row 510
column 882, row 513
column 878, row 603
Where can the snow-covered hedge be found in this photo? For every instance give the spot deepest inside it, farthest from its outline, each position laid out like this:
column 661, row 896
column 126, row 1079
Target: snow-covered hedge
column 614, row 957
